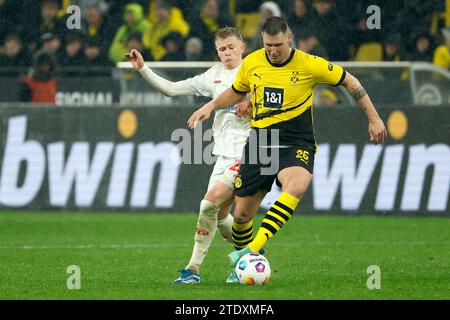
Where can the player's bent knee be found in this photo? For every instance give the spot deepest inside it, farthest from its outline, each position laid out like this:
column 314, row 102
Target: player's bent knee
column 242, row 217
column 221, row 195
column 296, row 187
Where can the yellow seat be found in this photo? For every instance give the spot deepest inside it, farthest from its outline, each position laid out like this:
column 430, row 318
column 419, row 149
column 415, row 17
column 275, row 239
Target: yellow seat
column 371, row 51
column 248, row 24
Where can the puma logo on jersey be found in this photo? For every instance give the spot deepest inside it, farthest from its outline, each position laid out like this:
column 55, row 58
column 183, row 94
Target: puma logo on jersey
column 258, row 75
column 306, row 162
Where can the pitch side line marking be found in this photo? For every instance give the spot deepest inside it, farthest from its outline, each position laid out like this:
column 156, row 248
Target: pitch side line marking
column 94, row 246
column 156, row 245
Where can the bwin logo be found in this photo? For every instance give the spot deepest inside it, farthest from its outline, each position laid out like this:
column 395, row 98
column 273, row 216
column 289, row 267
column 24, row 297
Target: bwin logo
column 350, row 174
column 80, row 171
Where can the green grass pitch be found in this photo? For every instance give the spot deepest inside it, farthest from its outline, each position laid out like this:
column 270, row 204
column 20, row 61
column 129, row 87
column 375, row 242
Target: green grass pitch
column 136, row 256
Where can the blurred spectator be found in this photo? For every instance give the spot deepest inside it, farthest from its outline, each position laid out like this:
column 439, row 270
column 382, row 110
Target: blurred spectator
column 51, row 43
column 441, row 57
column 208, row 20
column 266, row 10
column 93, row 54
column 391, row 48
column 415, row 15
column 135, row 42
column 40, row 86
column 96, row 28
column 330, row 30
column 116, row 9
column 174, row 45
column 321, row 27
column 310, row 44
column 423, row 50
column 439, row 19
column 246, row 16
column 8, row 12
column 3, row 22
column 166, row 21
column 177, row 8
column 13, row 54
column 244, row 6
column 363, row 34
column 101, row 5
column 134, row 21
column 285, row 6
column 190, row 9
column 64, row 4
column 299, row 20
column 72, row 55
column 47, row 22
column 193, row 49
column 391, row 53
column 327, row 97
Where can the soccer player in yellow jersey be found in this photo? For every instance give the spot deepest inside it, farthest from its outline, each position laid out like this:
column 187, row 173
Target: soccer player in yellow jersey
column 281, row 81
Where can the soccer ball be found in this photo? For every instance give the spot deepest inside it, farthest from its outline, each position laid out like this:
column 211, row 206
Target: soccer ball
column 253, row 269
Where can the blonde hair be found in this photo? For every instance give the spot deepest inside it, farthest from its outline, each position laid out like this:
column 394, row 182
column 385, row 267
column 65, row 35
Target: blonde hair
column 226, row 32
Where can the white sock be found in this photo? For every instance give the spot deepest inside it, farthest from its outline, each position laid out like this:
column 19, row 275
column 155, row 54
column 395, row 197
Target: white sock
column 204, row 234
column 224, row 225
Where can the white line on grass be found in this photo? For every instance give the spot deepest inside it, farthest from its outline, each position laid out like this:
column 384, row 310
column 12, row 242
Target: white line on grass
column 173, row 245
column 95, row 246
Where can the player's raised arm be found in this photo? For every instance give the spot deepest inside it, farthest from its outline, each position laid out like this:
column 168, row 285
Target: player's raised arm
column 169, row 88
column 226, row 99
column 377, row 130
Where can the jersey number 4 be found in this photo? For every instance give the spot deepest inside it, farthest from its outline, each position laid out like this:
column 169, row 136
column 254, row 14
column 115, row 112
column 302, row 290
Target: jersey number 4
column 273, row 97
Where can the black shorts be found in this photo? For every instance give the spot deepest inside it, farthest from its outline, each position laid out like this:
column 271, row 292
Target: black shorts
column 259, row 175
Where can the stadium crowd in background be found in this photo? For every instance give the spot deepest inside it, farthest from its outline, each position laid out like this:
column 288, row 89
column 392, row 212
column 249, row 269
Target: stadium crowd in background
column 179, row 30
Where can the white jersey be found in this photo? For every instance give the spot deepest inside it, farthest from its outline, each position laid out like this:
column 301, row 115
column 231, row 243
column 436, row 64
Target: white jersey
column 230, row 132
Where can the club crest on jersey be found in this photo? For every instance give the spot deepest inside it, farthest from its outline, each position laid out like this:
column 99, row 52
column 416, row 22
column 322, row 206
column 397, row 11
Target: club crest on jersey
column 294, row 77
column 238, row 182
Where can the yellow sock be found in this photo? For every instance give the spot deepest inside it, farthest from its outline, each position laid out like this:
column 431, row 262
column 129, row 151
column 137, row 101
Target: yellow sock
column 275, row 218
column 242, row 234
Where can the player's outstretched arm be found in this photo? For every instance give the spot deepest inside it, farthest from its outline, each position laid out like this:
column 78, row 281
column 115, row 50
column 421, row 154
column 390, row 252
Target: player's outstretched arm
column 226, row 99
column 377, row 130
column 169, row 88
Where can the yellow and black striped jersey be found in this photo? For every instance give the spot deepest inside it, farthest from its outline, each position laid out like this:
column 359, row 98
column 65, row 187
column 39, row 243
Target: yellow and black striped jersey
column 282, row 94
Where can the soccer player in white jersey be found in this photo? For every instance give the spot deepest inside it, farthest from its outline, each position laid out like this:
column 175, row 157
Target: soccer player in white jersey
column 230, row 135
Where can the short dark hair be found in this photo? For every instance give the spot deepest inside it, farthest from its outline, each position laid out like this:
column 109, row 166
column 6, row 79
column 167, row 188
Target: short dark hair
column 173, row 36
column 227, row 32
column 274, row 25
column 13, row 37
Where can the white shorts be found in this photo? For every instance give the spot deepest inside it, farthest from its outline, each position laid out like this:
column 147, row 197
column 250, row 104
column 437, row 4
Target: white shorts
column 225, row 171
